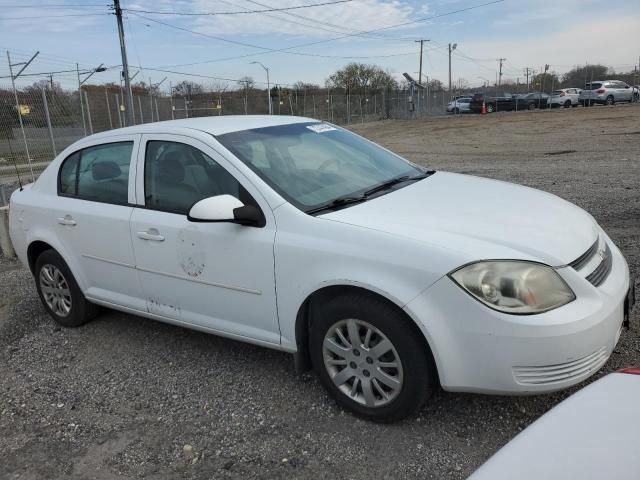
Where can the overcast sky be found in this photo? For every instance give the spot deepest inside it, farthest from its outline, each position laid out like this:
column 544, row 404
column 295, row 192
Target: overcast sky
column 528, row 33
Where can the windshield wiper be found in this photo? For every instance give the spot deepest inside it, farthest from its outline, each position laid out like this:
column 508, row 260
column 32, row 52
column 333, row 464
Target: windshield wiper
column 337, row 204
column 395, row 181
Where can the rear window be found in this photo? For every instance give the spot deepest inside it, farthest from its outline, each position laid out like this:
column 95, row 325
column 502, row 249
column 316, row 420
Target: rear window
column 593, row 86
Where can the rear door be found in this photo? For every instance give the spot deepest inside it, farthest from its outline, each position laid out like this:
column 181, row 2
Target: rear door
column 219, row 276
column 92, row 213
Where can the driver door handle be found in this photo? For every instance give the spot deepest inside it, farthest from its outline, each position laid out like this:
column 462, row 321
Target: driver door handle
column 151, row 234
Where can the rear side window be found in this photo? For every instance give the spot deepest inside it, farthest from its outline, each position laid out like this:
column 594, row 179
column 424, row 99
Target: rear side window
column 99, row 174
column 593, row 86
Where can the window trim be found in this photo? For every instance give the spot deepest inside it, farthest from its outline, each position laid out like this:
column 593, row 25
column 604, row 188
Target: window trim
column 79, row 153
column 146, row 142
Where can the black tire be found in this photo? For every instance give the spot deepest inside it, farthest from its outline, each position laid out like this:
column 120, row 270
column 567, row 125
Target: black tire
column 610, row 100
column 490, row 108
column 567, row 104
column 531, row 106
column 81, row 310
column 418, row 368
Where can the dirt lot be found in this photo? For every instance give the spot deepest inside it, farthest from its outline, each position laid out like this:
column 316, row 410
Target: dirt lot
column 125, row 397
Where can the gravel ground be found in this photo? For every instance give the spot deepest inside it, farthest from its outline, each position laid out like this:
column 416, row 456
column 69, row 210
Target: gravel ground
column 125, row 397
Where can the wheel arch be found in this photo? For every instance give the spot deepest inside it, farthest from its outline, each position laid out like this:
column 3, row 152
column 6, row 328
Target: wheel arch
column 304, row 318
column 34, row 250
column 38, row 244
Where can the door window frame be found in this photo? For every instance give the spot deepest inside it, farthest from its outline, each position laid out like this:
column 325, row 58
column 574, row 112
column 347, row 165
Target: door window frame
column 131, row 183
column 222, row 161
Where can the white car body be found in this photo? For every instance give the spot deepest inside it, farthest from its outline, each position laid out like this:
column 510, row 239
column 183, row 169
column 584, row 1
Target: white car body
column 593, row 434
column 606, row 92
column 251, row 283
column 565, row 97
column 463, row 105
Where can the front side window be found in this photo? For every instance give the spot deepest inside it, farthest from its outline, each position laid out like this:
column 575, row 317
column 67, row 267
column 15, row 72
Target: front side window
column 177, row 175
column 311, row 164
column 99, row 174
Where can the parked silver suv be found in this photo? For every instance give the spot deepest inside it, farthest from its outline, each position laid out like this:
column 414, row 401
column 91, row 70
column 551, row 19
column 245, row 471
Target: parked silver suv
column 606, row 92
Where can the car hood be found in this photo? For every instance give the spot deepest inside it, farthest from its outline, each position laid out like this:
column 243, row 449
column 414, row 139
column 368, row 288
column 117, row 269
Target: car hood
column 479, row 218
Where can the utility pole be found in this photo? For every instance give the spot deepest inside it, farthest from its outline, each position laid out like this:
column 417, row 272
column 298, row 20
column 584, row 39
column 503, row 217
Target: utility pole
column 421, row 42
column 528, row 71
column 125, row 64
column 501, row 60
column 451, row 49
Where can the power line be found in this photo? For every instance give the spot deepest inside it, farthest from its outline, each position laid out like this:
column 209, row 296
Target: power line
column 266, row 49
column 65, row 5
column 55, row 16
column 239, row 12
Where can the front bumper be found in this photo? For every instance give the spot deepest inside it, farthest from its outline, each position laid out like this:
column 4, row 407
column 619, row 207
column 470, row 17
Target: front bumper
column 477, row 349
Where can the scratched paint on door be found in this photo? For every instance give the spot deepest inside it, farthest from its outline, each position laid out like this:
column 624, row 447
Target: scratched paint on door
column 191, row 255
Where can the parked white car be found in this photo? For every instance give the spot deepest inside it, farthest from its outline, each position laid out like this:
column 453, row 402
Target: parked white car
column 389, row 279
column 565, row 97
column 606, row 92
column 593, row 434
column 459, row 105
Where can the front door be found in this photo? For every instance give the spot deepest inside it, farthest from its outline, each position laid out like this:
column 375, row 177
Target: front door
column 219, row 276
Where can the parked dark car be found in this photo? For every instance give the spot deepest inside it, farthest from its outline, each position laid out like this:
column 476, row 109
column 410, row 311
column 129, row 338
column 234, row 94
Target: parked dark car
column 532, row 101
column 493, row 101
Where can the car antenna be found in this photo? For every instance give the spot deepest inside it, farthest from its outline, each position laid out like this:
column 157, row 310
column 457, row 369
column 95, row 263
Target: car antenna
column 15, row 164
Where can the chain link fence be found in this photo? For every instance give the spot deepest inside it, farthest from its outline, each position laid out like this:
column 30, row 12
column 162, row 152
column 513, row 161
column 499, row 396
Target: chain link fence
column 44, row 121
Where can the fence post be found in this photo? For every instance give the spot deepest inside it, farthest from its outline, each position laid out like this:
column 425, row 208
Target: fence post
column 173, row 117
column 155, row 99
column 86, row 100
column 24, row 136
column 46, row 114
column 186, row 111
column 140, row 108
column 118, row 110
column 106, row 97
column 314, row 106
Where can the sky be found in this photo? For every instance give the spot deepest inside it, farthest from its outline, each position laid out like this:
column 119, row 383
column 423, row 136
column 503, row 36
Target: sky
column 308, row 44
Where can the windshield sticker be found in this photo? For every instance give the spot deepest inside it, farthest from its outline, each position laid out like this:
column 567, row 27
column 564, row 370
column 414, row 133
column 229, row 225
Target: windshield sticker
column 321, row 128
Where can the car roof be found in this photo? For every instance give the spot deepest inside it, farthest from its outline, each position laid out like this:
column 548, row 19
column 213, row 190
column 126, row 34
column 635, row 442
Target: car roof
column 218, row 125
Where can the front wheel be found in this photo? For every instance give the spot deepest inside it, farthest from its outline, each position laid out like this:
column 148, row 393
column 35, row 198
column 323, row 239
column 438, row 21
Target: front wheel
column 59, row 291
column 610, row 100
column 531, row 106
column 369, row 358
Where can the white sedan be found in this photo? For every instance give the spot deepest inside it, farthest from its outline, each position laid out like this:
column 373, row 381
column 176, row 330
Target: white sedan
column 459, row 105
column 388, row 278
column 592, row 435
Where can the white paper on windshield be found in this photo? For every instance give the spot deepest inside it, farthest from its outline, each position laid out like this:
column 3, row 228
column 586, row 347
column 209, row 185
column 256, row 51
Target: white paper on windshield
column 321, row 128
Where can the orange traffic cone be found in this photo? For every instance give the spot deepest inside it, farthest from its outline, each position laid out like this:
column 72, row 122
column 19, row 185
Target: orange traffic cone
column 484, row 109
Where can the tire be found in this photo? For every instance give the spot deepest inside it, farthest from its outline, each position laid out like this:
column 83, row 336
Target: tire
column 354, row 315
column 490, row 108
column 531, row 106
column 610, row 100
column 52, row 275
column 567, row 104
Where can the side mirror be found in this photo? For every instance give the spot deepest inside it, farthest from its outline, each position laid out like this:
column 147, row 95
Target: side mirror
column 225, row 208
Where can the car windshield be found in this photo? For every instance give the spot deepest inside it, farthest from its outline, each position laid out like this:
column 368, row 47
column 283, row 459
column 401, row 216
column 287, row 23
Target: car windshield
column 314, row 164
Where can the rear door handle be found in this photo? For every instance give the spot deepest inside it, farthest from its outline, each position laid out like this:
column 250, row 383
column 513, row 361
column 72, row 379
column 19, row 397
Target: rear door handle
column 67, row 220
column 151, row 234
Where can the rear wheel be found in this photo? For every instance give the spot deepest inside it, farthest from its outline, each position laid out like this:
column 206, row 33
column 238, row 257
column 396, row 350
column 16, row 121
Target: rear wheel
column 610, row 100
column 531, row 106
column 490, row 108
column 369, row 358
column 567, row 104
column 60, row 293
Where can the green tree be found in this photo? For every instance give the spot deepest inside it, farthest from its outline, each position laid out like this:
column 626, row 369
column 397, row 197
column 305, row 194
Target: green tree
column 360, row 78
column 545, row 82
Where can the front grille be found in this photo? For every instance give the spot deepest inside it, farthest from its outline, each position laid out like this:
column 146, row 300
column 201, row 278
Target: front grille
column 583, row 259
column 562, row 372
column 600, row 274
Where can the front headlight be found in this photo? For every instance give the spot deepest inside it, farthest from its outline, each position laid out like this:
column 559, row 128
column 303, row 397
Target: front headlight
column 514, row 286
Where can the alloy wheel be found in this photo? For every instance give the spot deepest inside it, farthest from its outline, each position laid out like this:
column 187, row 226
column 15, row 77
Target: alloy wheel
column 55, row 290
column 362, row 362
